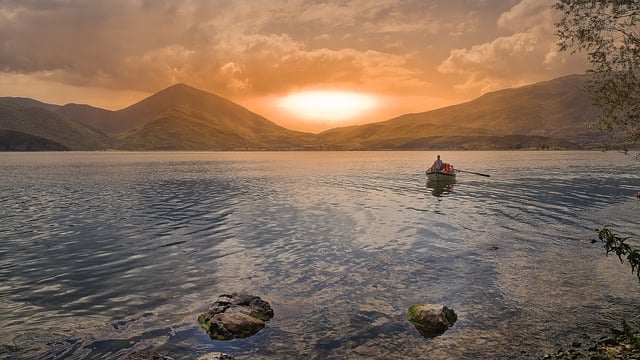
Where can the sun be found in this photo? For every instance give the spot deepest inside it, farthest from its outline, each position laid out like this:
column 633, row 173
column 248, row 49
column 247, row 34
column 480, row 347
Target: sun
column 328, row 105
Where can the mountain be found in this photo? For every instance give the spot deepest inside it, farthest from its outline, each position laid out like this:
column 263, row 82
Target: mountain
column 551, row 114
column 185, row 118
column 17, row 141
column 34, row 118
column 177, row 118
column 27, row 102
column 92, row 117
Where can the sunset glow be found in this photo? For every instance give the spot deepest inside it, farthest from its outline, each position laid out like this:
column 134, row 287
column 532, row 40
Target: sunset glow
column 327, row 106
column 319, row 63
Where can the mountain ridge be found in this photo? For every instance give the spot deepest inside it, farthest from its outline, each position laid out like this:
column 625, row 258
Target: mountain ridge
column 34, row 119
column 216, row 123
column 555, row 110
column 549, row 114
column 11, row 140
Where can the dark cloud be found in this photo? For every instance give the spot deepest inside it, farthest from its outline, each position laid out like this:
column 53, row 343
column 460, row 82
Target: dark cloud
column 89, row 41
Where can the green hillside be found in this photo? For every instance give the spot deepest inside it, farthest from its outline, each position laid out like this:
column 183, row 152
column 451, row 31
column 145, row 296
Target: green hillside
column 555, row 113
column 181, row 117
column 41, row 122
column 17, row 141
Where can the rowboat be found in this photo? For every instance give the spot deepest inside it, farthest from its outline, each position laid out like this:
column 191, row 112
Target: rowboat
column 440, row 176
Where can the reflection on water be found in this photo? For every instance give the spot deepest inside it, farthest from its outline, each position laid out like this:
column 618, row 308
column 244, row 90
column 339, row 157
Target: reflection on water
column 440, row 188
column 106, row 253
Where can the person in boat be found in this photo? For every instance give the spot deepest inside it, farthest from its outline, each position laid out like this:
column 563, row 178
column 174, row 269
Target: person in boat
column 437, row 165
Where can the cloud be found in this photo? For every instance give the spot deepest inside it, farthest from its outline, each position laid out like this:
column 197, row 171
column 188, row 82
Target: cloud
column 468, row 23
column 246, row 49
column 371, row 70
column 529, row 16
column 83, row 39
column 491, row 66
column 527, row 55
column 146, row 45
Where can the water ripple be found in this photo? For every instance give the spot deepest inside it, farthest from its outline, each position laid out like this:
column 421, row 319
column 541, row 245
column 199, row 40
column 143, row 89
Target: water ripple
column 108, row 253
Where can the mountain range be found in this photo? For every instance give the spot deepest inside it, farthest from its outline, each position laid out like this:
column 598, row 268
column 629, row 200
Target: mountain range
column 553, row 114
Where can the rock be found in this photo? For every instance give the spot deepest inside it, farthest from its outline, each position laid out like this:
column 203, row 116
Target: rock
column 431, row 320
column 216, row 356
column 147, row 355
column 235, row 316
column 608, row 341
column 154, row 355
column 619, row 347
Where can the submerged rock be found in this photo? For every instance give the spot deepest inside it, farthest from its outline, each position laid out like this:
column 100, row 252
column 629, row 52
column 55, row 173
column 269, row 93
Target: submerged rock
column 216, row 356
column 431, row 320
column 155, row 355
column 235, row 316
column 622, row 344
column 147, row 355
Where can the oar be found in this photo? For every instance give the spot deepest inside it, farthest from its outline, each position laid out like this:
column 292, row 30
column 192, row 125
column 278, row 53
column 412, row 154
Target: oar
column 471, row 172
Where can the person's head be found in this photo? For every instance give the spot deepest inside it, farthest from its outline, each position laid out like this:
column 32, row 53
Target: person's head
column 438, row 157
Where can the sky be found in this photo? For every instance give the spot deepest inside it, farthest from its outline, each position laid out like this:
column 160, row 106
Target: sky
column 307, row 65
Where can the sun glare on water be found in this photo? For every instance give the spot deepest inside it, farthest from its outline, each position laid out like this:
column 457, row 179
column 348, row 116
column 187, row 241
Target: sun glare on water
column 328, row 106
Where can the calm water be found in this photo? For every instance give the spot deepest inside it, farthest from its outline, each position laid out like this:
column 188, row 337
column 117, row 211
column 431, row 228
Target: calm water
column 102, row 254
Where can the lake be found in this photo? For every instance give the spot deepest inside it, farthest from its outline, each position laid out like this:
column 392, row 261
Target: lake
column 106, row 253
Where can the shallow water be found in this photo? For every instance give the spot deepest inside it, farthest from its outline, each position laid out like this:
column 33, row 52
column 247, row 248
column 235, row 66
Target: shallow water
column 106, row 253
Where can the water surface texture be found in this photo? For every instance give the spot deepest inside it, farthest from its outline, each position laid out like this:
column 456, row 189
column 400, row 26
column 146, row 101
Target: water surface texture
column 103, row 254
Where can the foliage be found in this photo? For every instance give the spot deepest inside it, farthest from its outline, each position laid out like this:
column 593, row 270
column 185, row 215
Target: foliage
column 632, row 337
column 609, row 32
column 614, row 243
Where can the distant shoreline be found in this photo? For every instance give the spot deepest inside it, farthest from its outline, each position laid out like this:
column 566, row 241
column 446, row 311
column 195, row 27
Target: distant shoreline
column 308, row 150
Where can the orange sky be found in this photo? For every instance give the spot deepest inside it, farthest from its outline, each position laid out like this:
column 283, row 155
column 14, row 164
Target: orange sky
column 406, row 56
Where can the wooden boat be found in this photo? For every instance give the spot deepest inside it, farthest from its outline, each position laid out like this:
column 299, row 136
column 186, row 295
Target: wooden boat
column 440, row 176
column 446, row 174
